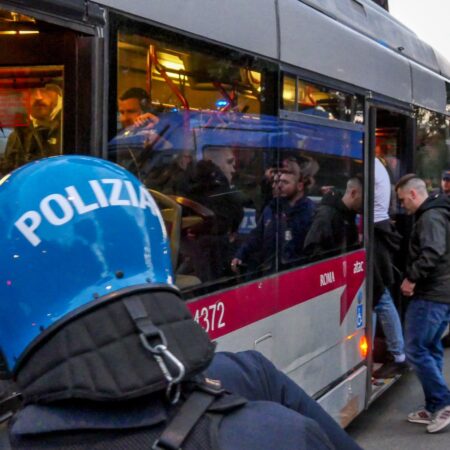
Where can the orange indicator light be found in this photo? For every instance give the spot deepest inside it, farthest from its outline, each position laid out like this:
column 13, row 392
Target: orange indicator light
column 363, row 346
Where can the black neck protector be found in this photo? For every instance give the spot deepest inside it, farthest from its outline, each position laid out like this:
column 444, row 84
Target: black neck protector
column 101, row 354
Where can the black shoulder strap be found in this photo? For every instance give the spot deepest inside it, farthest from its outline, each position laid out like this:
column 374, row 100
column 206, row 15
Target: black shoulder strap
column 185, row 420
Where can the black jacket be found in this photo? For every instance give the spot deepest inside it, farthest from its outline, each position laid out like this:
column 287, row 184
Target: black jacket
column 290, row 222
column 333, row 229
column 27, row 144
column 386, row 242
column 211, row 188
column 428, row 262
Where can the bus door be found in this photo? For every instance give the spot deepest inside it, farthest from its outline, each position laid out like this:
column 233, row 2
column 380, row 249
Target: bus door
column 47, row 95
column 392, row 142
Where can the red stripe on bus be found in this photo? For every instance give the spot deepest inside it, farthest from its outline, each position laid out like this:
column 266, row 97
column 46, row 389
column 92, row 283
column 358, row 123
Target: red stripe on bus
column 230, row 310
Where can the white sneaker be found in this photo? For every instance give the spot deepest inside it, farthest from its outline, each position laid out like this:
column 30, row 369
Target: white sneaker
column 420, row 416
column 440, row 421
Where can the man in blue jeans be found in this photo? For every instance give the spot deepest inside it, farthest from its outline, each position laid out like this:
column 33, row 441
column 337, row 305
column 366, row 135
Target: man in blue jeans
column 427, row 283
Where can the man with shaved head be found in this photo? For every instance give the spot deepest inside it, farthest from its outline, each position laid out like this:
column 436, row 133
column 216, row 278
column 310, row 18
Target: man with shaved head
column 427, row 284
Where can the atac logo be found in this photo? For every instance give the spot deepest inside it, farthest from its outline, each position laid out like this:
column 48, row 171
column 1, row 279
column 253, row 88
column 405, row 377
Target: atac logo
column 358, row 267
column 58, row 209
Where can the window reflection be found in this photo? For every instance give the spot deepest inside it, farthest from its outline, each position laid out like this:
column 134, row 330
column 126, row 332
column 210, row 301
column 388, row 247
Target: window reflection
column 433, row 147
column 248, row 186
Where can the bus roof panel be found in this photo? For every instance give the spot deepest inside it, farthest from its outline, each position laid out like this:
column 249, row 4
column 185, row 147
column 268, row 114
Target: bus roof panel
column 444, row 64
column 319, row 43
column 429, row 90
column 371, row 20
column 249, row 24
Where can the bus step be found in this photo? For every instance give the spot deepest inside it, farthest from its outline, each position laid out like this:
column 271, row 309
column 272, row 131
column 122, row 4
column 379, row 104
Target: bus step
column 381, row 385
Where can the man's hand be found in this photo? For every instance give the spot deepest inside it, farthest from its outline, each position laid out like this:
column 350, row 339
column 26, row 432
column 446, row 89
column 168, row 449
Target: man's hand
column 147, row 119
column 407, row 287
column 235, row 262
column 146, row 122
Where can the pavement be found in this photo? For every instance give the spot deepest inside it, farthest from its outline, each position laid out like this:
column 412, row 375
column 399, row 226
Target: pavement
column 384, row 426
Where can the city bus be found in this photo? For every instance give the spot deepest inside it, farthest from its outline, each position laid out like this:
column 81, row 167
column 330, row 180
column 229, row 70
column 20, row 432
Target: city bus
column 233, row 96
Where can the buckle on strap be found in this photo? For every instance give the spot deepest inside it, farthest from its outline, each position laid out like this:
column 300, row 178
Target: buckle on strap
column 171, row 367
column 163, row 356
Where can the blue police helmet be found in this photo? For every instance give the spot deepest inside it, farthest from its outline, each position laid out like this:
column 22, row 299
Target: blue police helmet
column 74, row 230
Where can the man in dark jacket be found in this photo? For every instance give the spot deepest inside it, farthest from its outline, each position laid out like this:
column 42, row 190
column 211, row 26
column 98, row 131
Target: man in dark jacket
column 288, row 216
column 427, row 283
column 334, row 228
column 42, row 137
column 212, row 186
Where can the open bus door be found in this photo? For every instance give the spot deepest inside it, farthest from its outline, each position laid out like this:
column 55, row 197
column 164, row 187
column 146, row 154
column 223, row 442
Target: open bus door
column 48, row 97
column 391, row 140
column 49, row 101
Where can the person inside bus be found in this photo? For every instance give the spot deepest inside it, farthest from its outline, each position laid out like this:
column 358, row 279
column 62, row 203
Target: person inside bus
column 135, row 143
column 134, row 108
column 42, row 137
column 176, row 177
column 445, row 184
column 97, row 376
column 334, row 228
column 386, row 243
column 212, row 186
column 289, row 215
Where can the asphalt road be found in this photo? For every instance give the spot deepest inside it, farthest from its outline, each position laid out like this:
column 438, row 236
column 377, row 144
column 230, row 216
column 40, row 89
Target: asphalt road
column 384, row 426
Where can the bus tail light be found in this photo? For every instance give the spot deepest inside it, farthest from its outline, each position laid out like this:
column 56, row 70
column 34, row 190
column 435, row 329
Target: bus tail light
column 363, row 346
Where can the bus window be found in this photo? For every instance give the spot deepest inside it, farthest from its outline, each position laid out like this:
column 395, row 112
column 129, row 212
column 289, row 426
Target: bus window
column 432, row 154
column 188, row 125
column 309, row 98
column 191, row 124
column 45, row 103
column 322, row 220
column 256, row 180
column 178, row 77
column 289, row 93
column 156, row 76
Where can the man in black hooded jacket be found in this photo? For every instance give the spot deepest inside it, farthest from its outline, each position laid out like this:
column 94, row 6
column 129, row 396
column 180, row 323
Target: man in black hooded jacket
column 427, row 283
column 334, row 226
